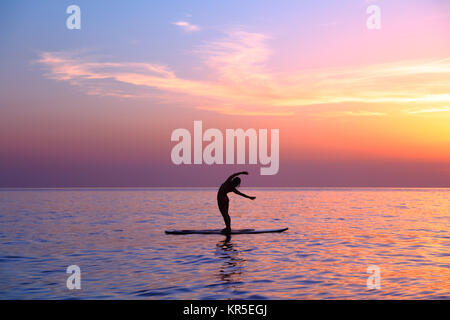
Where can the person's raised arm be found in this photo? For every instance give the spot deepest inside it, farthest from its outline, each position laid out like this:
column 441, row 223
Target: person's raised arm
column 236, row 174
column 243, row 194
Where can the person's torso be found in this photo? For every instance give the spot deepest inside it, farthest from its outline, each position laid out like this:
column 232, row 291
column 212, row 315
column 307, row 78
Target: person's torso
column 224, row 189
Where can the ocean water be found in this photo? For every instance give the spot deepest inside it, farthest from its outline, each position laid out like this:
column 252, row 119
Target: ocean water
column 116, row 237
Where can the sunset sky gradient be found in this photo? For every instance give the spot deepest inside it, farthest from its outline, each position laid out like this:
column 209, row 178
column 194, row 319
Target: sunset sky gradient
column 96, row 106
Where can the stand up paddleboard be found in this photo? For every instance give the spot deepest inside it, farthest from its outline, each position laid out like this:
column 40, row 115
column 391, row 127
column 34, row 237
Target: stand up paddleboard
column 219, row 231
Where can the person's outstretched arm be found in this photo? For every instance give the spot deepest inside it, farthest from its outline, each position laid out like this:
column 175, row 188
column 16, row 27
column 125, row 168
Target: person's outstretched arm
column 236, row 174
column 243, row 194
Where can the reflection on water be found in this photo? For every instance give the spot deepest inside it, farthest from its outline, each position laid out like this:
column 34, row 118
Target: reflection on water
column 117, row 238
column 233, row 265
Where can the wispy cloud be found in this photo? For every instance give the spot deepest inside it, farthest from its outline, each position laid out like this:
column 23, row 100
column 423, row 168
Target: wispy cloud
column 187, row 26
column 349, row 113
column 239, row 80
column 363, row 113
column 430, row 110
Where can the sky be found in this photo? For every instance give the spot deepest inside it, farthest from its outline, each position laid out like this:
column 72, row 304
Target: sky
column 95, row 107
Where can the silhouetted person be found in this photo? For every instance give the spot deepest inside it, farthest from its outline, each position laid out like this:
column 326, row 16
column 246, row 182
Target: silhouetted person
column 230, row 185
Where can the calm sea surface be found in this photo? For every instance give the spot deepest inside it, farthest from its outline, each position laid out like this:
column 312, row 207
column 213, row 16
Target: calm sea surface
column 116, row 237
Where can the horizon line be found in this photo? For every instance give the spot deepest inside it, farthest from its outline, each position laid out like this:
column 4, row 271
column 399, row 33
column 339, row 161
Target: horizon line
column 216, row 187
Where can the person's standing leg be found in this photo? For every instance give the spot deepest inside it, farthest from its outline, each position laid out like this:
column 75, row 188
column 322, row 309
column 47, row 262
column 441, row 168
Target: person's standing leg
column 223, row 207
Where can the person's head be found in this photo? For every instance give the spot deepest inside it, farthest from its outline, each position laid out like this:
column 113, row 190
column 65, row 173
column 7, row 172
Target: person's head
column 236, row 182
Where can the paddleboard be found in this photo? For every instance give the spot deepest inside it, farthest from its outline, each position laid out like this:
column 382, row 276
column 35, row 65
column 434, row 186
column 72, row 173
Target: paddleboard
column 219, row 231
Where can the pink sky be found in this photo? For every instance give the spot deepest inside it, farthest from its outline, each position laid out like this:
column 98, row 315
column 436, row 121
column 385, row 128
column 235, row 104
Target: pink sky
column 355, row 107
